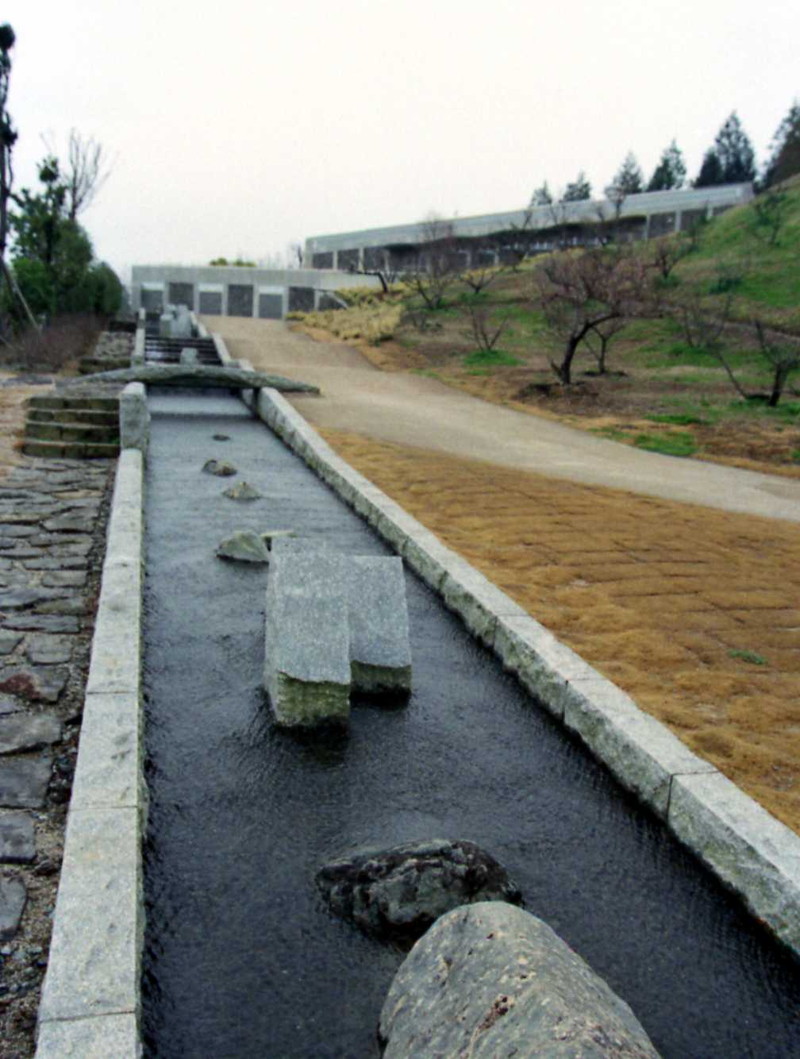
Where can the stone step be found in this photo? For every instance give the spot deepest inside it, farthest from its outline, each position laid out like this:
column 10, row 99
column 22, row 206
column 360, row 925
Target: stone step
column 84, row 401
column 83, row 432
column 89, row 365
column 72, row 450
column 93, row 416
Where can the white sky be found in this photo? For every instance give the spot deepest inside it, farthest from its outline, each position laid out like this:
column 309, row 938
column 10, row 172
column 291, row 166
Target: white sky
column 239, row 127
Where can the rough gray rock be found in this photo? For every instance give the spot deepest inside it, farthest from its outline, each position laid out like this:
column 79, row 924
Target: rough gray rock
column 242, row 491
column 23, row 782
column 28, row 731
column 44, row 649
column 221, row 468
column 8, row 641
column 200, row 375
column 246, row 546
column 17, row 842
column 189, row 356
column 396, row 894
column 12, row 905
column 489, row 980
column 34, row 683
column 380, row 651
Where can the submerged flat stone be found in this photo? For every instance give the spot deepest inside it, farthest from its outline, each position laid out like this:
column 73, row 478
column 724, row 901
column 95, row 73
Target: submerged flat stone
column 24, row 781
column 12, row 904
column 242, row 491
column 221, row 468
column 244, row 546
column 17, row 839
column 28, row 731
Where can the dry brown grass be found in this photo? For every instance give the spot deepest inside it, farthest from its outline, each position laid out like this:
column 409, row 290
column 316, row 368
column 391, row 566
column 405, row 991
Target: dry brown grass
column 658, row 596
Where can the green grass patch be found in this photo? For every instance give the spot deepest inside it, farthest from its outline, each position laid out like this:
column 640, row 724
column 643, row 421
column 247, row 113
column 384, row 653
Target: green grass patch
column 490, row 358
column 748, row 656
column 680, row 443
column 679, row 419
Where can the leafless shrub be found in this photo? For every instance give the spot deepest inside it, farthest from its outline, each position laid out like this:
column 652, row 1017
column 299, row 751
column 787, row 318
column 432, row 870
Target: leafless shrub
column 60, row 344
column 485, row 333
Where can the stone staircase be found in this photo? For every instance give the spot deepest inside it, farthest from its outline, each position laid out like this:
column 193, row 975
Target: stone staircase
column 80, row 426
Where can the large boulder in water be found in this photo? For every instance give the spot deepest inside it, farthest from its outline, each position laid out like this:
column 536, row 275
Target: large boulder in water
column 397, row 893
column 489, row 980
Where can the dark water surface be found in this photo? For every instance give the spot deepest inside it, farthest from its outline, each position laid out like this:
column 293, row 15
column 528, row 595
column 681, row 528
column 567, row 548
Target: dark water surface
column 242, row 960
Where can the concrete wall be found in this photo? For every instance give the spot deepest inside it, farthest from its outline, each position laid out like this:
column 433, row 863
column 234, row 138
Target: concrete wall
column 644, row 216
column 268, row 293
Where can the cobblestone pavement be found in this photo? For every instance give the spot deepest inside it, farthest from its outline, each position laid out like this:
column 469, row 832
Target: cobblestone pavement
column 53, row 516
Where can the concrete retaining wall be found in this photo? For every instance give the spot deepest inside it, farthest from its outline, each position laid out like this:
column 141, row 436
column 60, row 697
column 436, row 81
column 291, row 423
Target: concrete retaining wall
column 91, row 996
column 747, row 848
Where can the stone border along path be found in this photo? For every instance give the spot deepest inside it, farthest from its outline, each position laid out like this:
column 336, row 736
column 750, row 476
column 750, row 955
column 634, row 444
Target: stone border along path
column 745, row 846
column 91, row 997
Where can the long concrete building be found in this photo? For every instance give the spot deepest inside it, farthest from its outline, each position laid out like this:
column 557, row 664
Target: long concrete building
column 489, row 237
column 237, row 291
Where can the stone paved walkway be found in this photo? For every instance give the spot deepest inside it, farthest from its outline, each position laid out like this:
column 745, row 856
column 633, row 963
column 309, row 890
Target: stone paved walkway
column 52, row 533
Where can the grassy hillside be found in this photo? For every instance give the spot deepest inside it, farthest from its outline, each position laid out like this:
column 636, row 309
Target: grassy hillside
column 660, row 390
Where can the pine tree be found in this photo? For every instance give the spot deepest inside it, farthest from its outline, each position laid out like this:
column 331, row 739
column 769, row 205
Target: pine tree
column 710, row 171
column 629, row 179
column 542, row 196
column 670, row 171
column 735, row 158
column 785, row 158
column 578, row 190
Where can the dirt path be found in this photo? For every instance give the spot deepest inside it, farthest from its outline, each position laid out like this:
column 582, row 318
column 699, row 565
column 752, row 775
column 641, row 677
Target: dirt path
column 415, row 410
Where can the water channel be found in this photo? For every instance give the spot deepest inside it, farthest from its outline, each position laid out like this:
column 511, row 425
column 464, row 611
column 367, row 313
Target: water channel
column 242, row 959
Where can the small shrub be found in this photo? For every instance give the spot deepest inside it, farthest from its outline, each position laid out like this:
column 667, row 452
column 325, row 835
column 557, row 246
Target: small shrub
column 748, row 656
column 490, row 358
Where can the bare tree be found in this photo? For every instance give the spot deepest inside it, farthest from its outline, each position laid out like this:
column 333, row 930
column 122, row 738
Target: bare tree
column 578, row 291
column 782, row 354
column 600, row 338
column 485, row 333
column 86, row 172
column 435, row 269
column 485, row 271
column 667, row 251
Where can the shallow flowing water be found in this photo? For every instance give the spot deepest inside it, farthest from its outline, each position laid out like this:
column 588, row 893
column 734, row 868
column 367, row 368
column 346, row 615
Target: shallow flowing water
column 242, row 959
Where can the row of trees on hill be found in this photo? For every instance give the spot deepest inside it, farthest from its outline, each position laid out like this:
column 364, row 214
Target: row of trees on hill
column 52, row 268
column 730, row 160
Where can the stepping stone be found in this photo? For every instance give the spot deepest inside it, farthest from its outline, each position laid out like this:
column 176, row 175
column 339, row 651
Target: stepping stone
column 17, row 841
column 246, row 546
column 221, row 468
column 8, row 641
column 35, row 685
column 307, row 650
column 221, row 437
column 242, row 491
column 46, row 650
column 380, row 650
column 24, row 781
column 12, row 905
column 42, row 623
column 28, row 731
column 65, row 579
column 73, row 521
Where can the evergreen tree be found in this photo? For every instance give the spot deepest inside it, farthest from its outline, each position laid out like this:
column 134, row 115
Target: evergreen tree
column 578, row 190
column 785, row 158
column 629, row 179
column 735, row 158
column 542, row 196
column 670, row 171
column 710, row 171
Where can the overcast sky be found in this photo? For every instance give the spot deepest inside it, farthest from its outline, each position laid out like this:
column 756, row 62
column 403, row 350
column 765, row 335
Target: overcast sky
column 243, row 126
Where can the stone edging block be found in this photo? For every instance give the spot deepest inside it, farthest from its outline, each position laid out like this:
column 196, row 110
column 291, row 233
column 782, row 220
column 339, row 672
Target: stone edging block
column 747, row 848
column 91, row 997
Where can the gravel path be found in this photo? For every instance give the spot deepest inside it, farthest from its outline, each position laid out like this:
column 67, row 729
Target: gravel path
column 415, row 410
